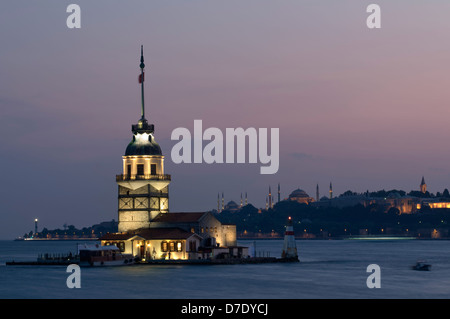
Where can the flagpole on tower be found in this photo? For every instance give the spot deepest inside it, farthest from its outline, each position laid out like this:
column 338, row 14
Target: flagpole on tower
column 142, row 126
column 141, row 80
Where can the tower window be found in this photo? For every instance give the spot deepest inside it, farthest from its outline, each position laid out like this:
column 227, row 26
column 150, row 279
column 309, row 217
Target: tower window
column 128, row 169
column 153, row 169
column 140, row 169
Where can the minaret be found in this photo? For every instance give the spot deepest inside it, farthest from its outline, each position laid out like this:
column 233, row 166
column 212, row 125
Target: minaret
column 279, row 192
column 143, row 186
column 317, row 193
column 423, row 186
column 223, row 202
column 289, row 246
column 267, row 204
column 331, row 191
column 241, row 201
column 218, row 203
column 270, row 198
column 246, row 202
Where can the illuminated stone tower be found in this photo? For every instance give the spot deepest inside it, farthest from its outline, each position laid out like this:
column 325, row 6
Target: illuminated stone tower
column 423, row 186
column 143, row 186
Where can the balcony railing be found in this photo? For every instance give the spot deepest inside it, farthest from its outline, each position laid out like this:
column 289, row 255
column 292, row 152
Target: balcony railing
column 130, row 177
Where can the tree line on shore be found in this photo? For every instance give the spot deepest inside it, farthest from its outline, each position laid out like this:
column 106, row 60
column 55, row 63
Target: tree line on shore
column 70, row 231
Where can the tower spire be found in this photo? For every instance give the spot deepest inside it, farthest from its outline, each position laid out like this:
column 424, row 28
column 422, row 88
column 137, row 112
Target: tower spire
column 141, row 81
column 423, row 186
column 142, row 126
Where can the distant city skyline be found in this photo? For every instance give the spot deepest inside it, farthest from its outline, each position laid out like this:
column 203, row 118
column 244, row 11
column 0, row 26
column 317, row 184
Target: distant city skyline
column 258, row 200
column 364, row 109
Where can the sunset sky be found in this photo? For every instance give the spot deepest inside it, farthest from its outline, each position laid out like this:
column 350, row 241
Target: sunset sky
column 365, row 109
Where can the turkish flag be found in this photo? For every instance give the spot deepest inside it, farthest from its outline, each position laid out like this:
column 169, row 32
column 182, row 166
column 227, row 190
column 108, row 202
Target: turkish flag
column 141, row 77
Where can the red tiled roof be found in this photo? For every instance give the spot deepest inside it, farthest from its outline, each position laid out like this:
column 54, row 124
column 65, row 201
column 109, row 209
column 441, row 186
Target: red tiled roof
column 178, row 217
column 164, row 233
column 116, row 236
column 150, row 233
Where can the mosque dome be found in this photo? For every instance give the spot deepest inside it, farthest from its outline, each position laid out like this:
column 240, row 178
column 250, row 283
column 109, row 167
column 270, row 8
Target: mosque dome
column 232, row 206
column 298, row 193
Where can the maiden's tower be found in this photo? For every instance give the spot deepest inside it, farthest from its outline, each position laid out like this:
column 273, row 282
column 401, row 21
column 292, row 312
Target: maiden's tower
column 146, row 227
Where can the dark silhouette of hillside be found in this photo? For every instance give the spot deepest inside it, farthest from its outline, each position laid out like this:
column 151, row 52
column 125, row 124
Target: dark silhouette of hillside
column 332, row 222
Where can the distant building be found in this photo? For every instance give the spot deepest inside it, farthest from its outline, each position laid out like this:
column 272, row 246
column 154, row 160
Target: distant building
column 404, row 204
column 300, row 196
column 232, row 206
column 342, row 201
column 434, row 203
column 423, row 186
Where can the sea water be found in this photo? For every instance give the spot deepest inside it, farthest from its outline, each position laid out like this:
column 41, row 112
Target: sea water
column 327, row 269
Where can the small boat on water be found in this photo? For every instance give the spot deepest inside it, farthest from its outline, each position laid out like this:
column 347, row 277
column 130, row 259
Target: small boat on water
column 421, row 265
column 97, row 255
